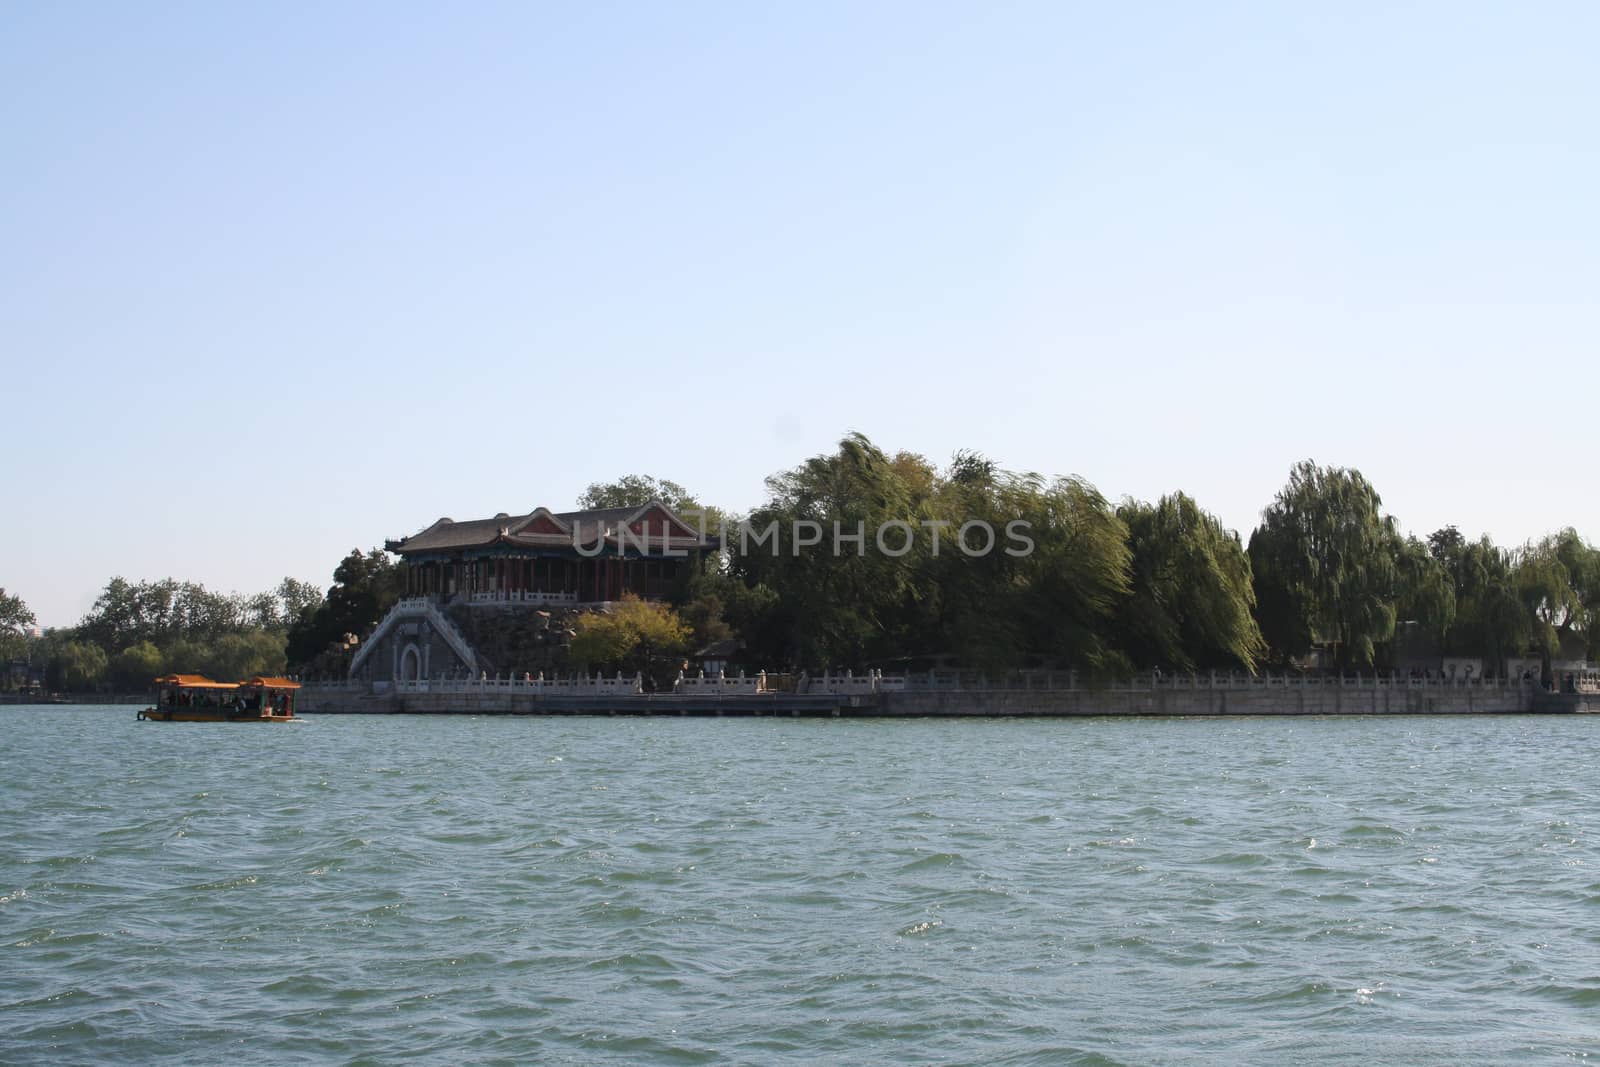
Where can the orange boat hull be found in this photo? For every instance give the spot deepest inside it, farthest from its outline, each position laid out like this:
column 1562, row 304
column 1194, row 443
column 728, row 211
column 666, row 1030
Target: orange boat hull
column 207, row 715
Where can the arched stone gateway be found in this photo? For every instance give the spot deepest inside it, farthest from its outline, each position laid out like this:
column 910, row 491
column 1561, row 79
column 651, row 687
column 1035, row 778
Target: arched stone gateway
column 416, row 628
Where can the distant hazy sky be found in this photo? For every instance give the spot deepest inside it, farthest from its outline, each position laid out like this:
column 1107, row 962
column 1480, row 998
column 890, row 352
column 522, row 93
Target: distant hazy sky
column 283, row 281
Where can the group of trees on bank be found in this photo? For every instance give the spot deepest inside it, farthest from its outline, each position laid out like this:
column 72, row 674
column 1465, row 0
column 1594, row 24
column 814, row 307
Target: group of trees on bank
column 1102, row 587
column 1329, row 567
column 1113, row 588
column 138, row 630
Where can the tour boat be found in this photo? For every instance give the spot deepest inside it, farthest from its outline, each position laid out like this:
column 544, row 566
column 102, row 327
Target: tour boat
column 196, row 698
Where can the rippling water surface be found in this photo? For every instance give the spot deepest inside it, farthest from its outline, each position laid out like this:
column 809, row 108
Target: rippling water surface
column 685, row 891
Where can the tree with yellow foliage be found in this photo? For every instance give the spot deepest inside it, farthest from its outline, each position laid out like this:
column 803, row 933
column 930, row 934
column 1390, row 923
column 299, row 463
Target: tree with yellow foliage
column 632, row 635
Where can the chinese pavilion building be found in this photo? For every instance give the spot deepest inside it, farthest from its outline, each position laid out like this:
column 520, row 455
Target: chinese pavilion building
column 573, row 560
column 545, row 557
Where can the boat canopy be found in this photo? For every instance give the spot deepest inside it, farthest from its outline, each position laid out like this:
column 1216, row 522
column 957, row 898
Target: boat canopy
column 269, row 683
column 193, row 681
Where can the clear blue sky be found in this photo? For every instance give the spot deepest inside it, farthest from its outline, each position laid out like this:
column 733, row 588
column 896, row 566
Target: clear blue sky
column 282, row 281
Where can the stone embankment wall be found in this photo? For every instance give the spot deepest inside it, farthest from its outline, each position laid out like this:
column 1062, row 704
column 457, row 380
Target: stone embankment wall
column 313, row 698
column 1241, row 700
column 1244, row 699
column 318, row 700
column 1568, row 703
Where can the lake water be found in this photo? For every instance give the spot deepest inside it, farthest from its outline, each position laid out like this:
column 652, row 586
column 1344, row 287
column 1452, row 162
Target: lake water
column 685, row 891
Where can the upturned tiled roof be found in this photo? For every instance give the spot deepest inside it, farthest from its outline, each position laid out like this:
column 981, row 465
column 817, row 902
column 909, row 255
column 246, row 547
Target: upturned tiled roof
column 447, row 535
column 608, row 516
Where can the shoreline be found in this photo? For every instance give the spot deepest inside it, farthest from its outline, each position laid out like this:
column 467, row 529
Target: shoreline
column 1370, row 698
column 1366, row 697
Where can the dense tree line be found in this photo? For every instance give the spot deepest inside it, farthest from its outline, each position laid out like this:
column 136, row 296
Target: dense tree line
column 859, row 558
column 1114, row 588
column 1090, row 585
column 138, row 630
column 1331, row 568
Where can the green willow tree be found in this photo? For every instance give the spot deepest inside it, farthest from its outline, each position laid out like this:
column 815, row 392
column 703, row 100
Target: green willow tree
column 1076, row 576
column 976, row 606
column 1582, row 561
column 131, row 670
column 1542, row 599
column 1192, row 603
column 1488, row 621
column 1424, row 592
column 1324, row 564
column 1557, row 581
column 948, row 582
column 831, row 610
column 80, row 667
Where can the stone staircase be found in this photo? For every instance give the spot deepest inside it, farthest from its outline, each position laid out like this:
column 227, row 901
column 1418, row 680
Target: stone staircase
column 421, row 608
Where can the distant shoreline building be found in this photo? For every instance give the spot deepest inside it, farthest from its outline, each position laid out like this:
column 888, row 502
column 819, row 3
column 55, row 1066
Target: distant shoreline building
column 520, row 564
column 572, row 557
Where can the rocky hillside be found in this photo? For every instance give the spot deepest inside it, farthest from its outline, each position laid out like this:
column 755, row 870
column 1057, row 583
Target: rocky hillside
column 518, row 640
